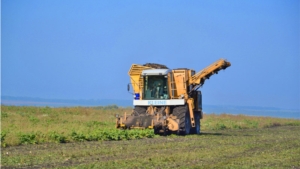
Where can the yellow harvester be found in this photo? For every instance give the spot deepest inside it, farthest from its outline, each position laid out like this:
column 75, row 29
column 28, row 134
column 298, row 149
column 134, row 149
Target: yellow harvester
column 167, row 100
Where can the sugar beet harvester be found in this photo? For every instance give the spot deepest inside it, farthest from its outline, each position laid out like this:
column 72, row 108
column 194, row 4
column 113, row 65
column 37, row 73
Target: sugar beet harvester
column 167, row 100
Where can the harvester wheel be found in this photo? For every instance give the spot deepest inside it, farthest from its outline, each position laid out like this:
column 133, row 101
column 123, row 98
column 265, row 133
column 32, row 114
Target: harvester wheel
column 156, row 130
column 196, row 129
column 139, row 110
column 182, row 113
column 165, row 131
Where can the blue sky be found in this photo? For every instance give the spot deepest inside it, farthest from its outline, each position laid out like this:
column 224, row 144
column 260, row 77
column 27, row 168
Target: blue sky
column 84, row 49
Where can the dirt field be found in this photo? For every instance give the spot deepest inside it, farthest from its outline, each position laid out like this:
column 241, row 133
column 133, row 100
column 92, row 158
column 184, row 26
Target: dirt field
column 276, row 147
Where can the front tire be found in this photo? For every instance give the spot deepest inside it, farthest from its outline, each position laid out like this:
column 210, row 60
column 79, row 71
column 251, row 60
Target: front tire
column 182, row 113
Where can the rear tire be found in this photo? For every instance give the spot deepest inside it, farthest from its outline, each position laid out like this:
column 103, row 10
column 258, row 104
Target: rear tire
column 156, row 130
column 182, row 113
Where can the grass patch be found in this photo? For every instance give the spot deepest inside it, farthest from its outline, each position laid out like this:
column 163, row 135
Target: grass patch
column 227, row 121
column 275, row 147
column 35, row 125
column 227, row 141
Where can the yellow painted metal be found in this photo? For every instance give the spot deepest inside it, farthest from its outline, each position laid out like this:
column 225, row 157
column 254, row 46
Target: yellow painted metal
column 190, row 102
column 180, row 78
column 167, row 110
column 205, row 73
column 172, row 124
column 150, row 110
column 121, row 123
column 171, row 85
column 135, row 73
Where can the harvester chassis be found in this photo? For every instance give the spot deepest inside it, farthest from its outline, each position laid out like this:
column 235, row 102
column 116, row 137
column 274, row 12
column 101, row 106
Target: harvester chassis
column 160, row 121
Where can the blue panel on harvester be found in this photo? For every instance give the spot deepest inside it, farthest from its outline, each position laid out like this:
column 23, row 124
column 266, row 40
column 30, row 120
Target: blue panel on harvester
column 137, row 96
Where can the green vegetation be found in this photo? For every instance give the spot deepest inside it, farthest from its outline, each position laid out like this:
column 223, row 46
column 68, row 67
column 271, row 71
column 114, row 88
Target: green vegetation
column 276, row 147
column 227, row 141
column 35, row 125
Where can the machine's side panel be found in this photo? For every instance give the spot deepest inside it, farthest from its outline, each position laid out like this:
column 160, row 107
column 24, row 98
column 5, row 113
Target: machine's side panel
column 136, row 79
column 180, row 79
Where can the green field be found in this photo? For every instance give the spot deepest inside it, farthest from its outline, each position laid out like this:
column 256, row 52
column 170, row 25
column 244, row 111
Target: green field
column 85, row 137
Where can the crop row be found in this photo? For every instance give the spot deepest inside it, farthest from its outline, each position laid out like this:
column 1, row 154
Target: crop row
column 97, row 135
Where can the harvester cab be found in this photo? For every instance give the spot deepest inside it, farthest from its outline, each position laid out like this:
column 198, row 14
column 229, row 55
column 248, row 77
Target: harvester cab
column 167, row 100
